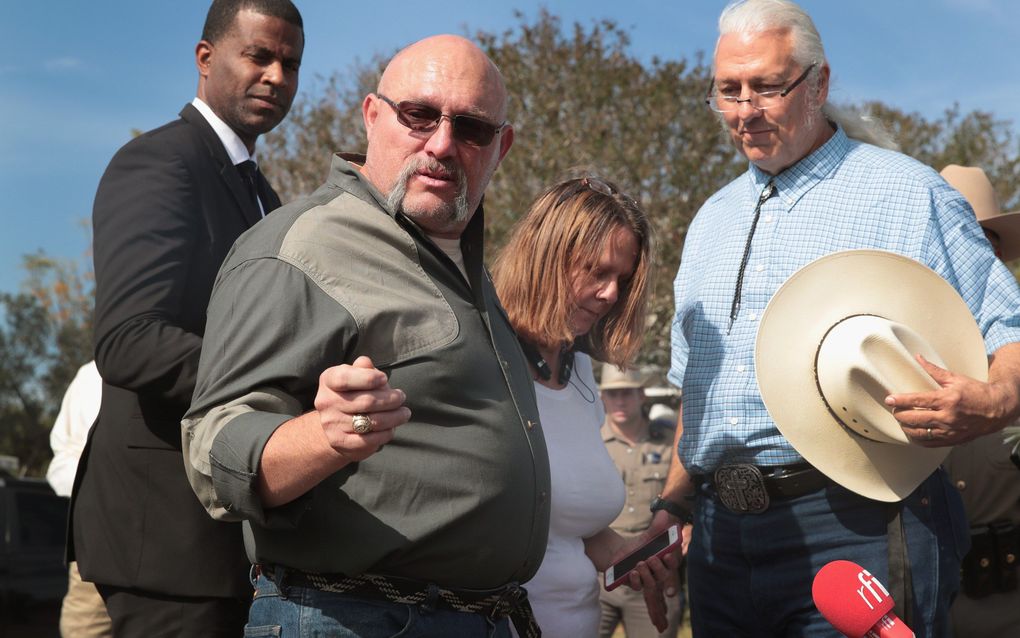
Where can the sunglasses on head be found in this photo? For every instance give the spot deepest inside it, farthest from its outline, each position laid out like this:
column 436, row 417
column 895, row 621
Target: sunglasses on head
column 594, row 184
column 423, row 118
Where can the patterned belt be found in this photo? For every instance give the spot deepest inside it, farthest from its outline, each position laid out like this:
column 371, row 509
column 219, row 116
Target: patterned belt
column 510, row 601
column 749, row 489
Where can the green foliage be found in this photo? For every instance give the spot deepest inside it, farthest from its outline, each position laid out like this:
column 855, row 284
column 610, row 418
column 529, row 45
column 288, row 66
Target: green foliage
column 297, row 153
column 977, row 138
column 22, row 401
column 581, row 101
column 45, row 336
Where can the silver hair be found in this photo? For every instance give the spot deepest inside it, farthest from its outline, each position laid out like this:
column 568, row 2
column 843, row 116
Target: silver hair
column 861, row 125
column 754, row 16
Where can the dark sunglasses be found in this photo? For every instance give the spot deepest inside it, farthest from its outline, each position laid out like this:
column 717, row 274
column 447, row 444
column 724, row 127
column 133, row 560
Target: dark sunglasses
column 594, row 184
column 423, row 118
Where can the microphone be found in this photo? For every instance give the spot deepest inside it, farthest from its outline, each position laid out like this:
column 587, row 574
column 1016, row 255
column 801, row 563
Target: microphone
column 855, row 603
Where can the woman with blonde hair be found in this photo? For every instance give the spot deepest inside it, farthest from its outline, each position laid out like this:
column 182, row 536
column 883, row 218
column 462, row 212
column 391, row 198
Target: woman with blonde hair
column 574, row 280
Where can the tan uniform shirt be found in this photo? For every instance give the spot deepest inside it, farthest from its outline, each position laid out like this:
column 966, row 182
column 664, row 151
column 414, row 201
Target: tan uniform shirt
column 990, row 486
column 644, row 468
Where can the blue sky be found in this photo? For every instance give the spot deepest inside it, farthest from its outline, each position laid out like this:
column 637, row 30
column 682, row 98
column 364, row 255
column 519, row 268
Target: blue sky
column 78, row 76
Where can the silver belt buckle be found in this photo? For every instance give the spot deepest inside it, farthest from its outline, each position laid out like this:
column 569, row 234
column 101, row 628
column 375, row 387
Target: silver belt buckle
column 741, row 488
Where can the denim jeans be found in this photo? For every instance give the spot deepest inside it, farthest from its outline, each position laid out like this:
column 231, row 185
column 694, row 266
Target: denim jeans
column 306, row 613
column 751, row 574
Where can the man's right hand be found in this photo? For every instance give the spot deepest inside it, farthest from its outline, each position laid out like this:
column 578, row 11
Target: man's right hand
column 359, row 388
column 308, row 448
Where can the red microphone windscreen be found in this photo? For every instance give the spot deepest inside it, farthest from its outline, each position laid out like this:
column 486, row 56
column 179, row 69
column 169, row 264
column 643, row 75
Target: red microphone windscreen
column 850, row 598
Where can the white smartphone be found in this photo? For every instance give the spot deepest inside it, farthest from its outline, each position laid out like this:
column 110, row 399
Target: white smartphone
column 662, row 544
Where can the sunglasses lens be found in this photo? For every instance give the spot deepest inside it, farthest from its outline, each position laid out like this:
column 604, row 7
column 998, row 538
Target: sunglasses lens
column 418, row 117
column 425, row 119
column 472, row 130
column 594, row 184
column 598, row 186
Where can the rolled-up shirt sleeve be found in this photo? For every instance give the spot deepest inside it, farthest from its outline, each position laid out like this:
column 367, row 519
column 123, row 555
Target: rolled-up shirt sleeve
column 956, row 248
column 261, row 359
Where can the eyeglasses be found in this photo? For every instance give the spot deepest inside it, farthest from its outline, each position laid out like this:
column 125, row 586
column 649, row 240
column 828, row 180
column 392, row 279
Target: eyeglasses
column 594, row 184
column 761, row 100
column 423, row 118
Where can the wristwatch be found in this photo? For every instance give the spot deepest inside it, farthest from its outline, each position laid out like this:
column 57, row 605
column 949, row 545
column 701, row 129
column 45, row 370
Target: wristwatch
column 674, row 509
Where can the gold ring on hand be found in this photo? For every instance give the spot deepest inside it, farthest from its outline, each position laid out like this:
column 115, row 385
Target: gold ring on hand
column 363, row 424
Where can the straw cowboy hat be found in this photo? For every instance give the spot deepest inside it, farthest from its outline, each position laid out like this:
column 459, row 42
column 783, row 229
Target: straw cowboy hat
column 974, row 185
column 614, row 378
column 837, row 338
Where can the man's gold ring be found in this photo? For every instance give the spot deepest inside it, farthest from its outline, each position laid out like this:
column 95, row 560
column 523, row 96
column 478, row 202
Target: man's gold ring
column 363, row 424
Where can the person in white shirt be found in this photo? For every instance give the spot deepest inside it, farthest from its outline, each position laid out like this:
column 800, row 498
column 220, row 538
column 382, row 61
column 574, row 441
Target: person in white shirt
column 83, row 612
column 574, row 280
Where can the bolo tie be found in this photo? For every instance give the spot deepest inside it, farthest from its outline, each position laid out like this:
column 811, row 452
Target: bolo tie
column 766, row 193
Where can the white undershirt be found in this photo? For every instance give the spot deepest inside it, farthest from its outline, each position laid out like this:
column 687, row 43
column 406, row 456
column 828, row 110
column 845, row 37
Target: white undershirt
column 452, row 249
column 236, row 149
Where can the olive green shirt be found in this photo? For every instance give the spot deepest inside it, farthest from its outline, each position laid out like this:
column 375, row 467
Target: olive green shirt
column 460, row 497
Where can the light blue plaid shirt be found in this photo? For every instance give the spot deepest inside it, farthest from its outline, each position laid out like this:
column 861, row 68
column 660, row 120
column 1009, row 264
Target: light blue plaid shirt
column 845, row 195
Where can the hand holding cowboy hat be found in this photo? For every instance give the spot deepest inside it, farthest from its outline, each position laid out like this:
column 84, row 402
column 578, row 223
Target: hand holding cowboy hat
column 967, row 408
column 870, row 364
column 1001, row 228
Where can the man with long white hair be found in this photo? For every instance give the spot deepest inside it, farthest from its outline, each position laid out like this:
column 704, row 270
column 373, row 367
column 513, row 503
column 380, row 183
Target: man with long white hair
column 819, row 181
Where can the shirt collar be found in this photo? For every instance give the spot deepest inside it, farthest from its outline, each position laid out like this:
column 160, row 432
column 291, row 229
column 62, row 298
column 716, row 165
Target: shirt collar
column 609, row 434
column 236, row 149
column 796, row 180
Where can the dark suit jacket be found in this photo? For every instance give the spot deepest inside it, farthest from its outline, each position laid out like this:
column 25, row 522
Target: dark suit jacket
column 168, row 208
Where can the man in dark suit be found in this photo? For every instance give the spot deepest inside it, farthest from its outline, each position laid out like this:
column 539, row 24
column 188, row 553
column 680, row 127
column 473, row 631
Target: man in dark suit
column 168, row 208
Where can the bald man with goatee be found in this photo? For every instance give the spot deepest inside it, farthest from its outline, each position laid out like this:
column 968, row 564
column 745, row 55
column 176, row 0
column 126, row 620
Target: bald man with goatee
column 362, row 403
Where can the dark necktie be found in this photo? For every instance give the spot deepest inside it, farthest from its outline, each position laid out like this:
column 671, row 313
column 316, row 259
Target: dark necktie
column 766, row 192
column 249, row 175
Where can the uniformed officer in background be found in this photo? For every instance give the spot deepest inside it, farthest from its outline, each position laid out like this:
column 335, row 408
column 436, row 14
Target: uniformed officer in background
column 986, row 469
column 641, row 451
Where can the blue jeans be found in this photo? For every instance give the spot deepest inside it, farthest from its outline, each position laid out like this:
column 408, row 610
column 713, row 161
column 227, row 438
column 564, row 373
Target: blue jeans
column 305, row 612
column 751, row 574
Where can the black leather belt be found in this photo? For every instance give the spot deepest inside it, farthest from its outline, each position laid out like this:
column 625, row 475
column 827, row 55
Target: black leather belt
column 510, row 601
column 749, row 489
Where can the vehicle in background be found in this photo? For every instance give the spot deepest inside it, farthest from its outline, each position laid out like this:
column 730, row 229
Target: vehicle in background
column 33, row 576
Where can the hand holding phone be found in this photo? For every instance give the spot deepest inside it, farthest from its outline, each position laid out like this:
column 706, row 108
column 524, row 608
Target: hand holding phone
column 662, row 544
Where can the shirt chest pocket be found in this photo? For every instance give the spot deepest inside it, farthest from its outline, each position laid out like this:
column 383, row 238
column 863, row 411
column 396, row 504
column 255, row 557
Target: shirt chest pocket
column 647, row 480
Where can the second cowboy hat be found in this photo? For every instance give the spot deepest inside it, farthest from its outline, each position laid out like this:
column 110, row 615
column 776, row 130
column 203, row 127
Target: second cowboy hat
column 837, row 338
column 614, row 378
column 975, row 186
